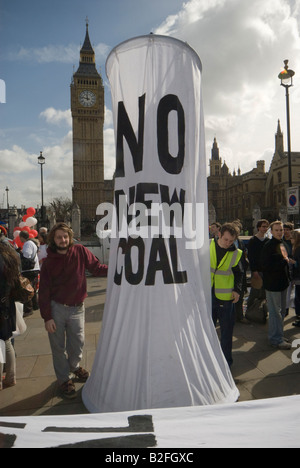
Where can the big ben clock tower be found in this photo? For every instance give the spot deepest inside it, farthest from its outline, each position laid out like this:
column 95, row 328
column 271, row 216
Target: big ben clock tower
column 87, row 106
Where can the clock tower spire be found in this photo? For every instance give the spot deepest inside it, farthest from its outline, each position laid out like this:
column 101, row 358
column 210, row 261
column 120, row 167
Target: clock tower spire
column 87, row 107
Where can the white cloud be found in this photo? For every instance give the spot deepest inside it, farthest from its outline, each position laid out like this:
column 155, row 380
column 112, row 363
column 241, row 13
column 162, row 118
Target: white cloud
column 57, row 117
column 55, row 53
column 16, row 160
column 242, row 46
column 192, row 11
column 21, row 173
column 101, row 52
column 46, row 54
column 108, row 118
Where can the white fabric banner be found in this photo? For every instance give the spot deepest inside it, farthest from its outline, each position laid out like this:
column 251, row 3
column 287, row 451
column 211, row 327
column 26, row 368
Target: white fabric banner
column 271, row 423
column 158, row 347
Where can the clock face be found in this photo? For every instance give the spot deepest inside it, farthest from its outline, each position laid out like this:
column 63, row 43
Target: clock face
column 87, row 98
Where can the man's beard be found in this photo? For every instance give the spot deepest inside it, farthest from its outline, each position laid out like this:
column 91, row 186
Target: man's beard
column 61, row 248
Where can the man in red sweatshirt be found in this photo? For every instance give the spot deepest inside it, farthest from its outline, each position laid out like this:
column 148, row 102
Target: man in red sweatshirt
column 61, row 294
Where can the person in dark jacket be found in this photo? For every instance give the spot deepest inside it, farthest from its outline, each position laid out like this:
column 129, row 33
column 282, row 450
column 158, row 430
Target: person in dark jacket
column 275, row 266
column 61, row 298
column 255, row 246
column 287, row 241
column 295, row 239
column 9, row 273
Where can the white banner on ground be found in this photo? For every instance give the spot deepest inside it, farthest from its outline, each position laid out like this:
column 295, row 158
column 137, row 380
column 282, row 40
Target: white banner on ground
column 158, row 347
column 271, row 423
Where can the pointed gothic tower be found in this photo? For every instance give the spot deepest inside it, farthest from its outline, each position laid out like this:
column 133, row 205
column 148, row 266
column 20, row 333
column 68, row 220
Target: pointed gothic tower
column 215, row 162
column 87, row 106
column 279, row 140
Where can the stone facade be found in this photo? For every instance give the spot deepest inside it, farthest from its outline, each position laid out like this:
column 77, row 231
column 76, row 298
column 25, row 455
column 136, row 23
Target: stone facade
column 239, row 196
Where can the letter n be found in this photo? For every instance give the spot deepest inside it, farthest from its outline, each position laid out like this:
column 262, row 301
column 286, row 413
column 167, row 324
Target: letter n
column 136, row 145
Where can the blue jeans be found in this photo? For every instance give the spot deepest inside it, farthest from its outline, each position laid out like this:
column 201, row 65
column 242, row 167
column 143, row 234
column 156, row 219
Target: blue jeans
column 225, row 313
column 68, row 340
column 276, row 305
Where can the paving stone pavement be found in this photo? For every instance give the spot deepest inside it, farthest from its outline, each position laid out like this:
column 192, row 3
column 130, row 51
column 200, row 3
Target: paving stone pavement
column 259, row 370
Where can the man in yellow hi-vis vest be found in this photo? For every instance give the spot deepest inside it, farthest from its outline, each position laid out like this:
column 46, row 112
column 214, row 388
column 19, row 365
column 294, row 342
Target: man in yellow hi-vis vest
column 226, row 282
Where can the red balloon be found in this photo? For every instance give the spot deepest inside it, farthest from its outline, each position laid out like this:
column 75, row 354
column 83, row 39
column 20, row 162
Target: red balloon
column 25, row 217
column 31, row 211
column 18, row 242
column 26, row 228
column 33, row 232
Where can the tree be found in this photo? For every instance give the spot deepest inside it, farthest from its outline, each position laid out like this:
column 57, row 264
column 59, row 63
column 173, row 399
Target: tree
column 62, row 208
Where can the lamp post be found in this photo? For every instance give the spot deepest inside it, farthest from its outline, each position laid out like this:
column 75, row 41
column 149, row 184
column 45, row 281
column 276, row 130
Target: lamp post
column 7, row 190
column 286, row 77
column 41, row 161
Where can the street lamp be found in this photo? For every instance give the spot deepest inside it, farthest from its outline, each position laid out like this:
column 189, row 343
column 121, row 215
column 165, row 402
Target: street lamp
column 7, row 190
column 41, row 161
column 286, row 77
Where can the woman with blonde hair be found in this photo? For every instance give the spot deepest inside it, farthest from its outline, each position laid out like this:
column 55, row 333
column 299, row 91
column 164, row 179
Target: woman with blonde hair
column 295, row 239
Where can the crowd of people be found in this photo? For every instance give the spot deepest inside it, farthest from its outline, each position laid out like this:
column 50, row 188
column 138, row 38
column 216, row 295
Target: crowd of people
column 273, row 258
column 56, row 268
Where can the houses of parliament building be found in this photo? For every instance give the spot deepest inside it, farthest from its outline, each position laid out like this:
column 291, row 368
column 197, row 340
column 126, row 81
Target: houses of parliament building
column 255, row 194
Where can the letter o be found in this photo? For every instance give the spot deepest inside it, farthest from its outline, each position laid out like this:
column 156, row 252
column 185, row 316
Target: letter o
column 171, row 164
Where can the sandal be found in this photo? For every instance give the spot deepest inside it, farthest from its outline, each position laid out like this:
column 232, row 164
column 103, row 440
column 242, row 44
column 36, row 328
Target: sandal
column 68, row 389
column 81, row 374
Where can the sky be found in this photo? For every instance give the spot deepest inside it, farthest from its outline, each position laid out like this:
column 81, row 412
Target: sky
column 242, row 45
